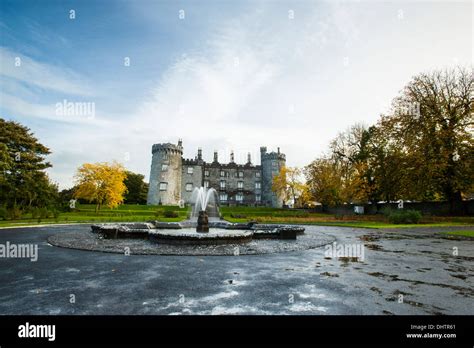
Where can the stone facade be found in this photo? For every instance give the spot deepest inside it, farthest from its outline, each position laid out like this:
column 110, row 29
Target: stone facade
column 173, row 178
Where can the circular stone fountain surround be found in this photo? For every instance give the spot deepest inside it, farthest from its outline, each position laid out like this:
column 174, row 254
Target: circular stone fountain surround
column 265, row 240
column 220, row 232
column 205, row 235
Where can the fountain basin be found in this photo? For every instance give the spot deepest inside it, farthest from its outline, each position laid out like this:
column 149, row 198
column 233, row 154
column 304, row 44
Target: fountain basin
column 220, row 232
column 215, row 236
column 123, row 230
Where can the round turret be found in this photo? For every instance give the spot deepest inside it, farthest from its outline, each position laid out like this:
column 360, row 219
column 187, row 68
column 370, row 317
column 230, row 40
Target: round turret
column 271, row 165
column 165, row 174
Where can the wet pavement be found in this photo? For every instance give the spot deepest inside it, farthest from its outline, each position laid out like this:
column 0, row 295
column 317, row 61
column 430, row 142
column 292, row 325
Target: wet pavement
column 403, row 271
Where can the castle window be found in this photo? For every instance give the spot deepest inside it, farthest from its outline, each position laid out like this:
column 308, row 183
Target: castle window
column 274, row 164
column 222, row 184
column 206, row 183
column 166, row 157
column 257, row 174
column 163, row 186
column 240, row 185
column 258, row 185
column 190, row 170
column 222, row 173
column 164, row 167
column 239, row 197
column 189, row 187
column 241, row 174
column 258, row 198
column 223, row 197
column 206, row 173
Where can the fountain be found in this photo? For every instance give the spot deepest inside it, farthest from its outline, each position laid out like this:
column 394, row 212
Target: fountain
column 205, row 226
column 204, row 199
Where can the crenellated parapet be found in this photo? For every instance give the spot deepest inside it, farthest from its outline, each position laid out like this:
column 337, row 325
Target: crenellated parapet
column 274, row 156
column 190, row 162
column 167, row 148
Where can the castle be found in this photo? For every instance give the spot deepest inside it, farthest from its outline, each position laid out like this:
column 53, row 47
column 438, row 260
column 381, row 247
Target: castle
column 173, row 178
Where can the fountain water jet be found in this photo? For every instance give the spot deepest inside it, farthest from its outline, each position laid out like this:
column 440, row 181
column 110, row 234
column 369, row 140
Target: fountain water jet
column 204, row 203
column 203, row 199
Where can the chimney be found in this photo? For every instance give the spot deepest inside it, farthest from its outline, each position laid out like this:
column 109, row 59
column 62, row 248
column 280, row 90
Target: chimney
column 231, row 156
column 215, row 157
column 278, row 150
column 199, row 154
column 249, row 159
column 180, row 142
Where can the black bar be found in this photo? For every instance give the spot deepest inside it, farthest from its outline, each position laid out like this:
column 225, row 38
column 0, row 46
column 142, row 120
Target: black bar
column 240, row 330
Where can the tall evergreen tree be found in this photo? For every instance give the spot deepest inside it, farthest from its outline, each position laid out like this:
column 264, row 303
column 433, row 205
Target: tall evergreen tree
column 23, row 182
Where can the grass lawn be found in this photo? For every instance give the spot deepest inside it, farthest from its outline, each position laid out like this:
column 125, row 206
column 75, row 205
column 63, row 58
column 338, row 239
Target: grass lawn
column 469, row 233
column 285, row 216
column 85, row 213
column 361, row 224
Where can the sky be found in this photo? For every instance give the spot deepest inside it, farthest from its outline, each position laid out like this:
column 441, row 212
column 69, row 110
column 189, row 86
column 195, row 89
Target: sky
column 220, row 75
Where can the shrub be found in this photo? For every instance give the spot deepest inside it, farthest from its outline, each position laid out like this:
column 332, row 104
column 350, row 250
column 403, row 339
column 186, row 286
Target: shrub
column 170, row 214
column 404, row 217
column 44, row 213
column 3, row 213
column 35, row 212
column 238, row 216
column 14, row 213
column 387, row 211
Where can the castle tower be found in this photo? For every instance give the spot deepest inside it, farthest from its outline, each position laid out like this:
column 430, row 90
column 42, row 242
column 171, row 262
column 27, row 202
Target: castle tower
column 165, row 174
column 272, row 163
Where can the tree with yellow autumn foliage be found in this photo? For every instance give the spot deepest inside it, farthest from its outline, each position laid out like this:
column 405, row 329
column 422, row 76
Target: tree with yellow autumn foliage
column 288, row 183
column 102, row 183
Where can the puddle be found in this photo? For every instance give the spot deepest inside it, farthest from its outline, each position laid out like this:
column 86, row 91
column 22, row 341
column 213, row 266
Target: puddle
column 329, row 274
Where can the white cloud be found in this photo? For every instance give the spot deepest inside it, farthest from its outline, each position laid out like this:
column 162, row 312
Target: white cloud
column 45, row 76
column 50, row 112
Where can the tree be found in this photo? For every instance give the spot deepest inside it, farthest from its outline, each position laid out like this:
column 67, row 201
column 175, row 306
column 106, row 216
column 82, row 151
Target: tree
column 353, row 152
column 305, row 199
column 372, row 163
column 325, row 181
column 423, row 150
column 432, row 125
column 23, row 182
column 137, row 189
column 102, row 183
column 287, row 183
column 6, row 164
column 386, row 163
